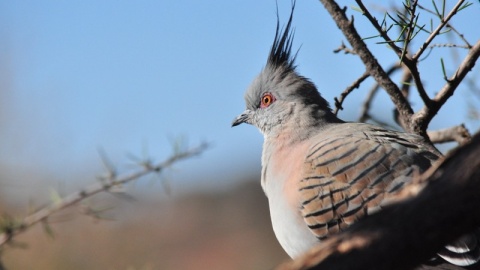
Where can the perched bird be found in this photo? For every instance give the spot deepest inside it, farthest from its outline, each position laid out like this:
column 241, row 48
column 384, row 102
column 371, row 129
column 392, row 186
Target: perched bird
column 320, row 173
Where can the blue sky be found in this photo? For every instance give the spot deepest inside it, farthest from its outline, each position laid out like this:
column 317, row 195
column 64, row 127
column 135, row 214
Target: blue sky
column 133, row 75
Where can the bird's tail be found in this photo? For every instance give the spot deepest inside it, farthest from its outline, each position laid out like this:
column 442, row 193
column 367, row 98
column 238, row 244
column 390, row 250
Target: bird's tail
column 464, row 251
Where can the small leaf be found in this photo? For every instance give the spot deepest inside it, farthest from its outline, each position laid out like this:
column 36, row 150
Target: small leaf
column 443, row 70
column 357, row 9
column 55, row 196
column 365, row 38
column 391, row 18
column 443, row 9
column 384, row 21
column 467, row 4
column 48, row 229
column 436, row 9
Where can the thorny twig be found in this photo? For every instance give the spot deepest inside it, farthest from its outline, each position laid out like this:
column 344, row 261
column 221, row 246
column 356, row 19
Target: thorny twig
column 104, row 186
column 448, row 45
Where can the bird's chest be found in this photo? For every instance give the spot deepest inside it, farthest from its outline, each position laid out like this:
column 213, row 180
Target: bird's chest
column 281, row 172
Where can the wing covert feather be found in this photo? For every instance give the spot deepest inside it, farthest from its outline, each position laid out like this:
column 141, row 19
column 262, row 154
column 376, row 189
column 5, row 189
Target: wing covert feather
column 348, row 176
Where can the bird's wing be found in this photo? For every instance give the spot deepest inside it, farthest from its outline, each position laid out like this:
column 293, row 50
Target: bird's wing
column 349, row 175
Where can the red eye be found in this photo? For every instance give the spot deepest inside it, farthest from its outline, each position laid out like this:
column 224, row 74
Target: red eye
column 267, row 99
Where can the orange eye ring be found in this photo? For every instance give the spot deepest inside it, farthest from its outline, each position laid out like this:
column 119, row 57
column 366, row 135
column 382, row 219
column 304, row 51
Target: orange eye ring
column 266, row 100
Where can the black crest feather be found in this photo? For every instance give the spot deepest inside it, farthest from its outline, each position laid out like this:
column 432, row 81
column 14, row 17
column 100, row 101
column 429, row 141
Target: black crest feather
column 281, row 51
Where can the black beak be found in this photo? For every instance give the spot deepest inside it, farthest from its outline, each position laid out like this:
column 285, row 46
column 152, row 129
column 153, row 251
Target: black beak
column 242, row 118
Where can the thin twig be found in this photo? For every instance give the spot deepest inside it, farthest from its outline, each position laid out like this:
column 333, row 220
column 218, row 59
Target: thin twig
column 345, row 49
column 364, row 112
column 410, row 27
column 348, row 90
column 418, row 82
column 448, row 45
column 43, row 214
column 462, row 37
column 401, row 53
column 377, row 26
column 449, row 26
column 444, row 21
column 422, row 118
column 371, row 63
column 411, row 65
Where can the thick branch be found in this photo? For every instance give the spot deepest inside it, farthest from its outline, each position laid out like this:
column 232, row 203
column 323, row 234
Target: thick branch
column 371, row 63
column 76, row 197
column 457, row 133
column 405, row 83
column 410, row 231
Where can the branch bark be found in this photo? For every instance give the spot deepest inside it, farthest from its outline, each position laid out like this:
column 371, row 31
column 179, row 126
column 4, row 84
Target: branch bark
column 459, row 134
column 437, row 208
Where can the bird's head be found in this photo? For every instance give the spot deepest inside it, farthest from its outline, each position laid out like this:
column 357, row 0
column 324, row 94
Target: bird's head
column 279, row 95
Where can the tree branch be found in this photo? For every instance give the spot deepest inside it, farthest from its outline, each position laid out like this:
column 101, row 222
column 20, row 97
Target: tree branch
column 344, row 48
column 348, row 90
column 405, row 83
column 462, row 37
column 379, row 29
column 401, row 53
column 371, row 63
column 423, row 117
column 434, row 210
column 457, row 133
column 112, row 181
column 364, row 114
column 443, row 22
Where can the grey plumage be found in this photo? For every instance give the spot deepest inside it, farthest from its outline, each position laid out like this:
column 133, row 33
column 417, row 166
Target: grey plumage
column 320, row 173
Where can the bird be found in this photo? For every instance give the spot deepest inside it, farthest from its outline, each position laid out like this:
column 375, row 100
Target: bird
column 320, row 173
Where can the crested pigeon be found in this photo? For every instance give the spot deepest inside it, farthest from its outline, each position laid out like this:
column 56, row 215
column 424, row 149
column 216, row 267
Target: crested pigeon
column 320, row 173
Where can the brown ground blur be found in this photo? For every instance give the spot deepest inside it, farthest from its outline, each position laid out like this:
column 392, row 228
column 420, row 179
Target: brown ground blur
column 230, row 230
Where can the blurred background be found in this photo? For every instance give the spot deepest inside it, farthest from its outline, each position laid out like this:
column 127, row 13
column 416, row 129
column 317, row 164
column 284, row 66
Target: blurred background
column 133, row 78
